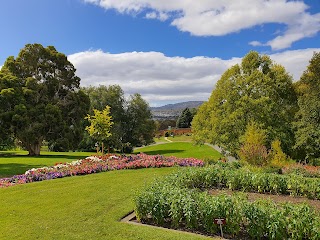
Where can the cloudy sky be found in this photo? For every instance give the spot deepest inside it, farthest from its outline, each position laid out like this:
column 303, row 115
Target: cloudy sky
column 169, row 51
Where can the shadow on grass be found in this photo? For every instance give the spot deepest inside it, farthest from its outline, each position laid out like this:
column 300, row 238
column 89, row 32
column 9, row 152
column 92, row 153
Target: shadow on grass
column 162, row 152
column 14, row 155
column 10, row 169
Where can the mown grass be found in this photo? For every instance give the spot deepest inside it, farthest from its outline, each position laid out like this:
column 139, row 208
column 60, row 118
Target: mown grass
column 17, row 162
column 81, row 207
column 181, row 149
column 178, row 138
column 181, row 138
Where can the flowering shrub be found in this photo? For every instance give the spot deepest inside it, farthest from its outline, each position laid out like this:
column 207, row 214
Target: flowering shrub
column 95, row 164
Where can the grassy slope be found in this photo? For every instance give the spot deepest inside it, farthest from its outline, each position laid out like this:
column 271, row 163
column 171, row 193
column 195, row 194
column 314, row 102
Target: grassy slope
column 181, row 149
column 17, row 162
column 82, row 207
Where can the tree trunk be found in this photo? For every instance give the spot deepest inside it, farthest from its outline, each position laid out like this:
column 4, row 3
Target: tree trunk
column 102, row 148
column 34, row 148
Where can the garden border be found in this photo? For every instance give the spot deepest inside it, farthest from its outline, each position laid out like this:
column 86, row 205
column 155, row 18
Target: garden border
column 131, row 218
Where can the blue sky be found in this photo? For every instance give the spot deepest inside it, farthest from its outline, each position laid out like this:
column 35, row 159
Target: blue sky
column 169, row 51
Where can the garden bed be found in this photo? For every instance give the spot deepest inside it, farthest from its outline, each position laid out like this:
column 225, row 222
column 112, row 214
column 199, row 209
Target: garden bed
column 182, row 201
column 96, row 164
column 275, row 198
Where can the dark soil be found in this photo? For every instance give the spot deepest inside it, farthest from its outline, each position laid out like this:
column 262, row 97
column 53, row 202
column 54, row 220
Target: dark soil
column 275, row 198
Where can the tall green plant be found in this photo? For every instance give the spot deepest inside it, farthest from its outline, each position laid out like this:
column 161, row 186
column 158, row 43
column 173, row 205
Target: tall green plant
column 100, row 125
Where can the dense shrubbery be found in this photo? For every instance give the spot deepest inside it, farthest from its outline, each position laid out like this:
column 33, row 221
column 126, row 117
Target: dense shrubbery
column 218, row 176
column 178, row 202
column 97, row 164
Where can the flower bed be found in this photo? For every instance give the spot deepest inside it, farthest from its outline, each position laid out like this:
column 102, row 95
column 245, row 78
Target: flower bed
column 95, row 164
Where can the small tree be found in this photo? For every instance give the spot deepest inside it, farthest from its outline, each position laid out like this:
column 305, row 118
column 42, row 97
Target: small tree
column 100, row 125
column 278, row 157
column 253, row 150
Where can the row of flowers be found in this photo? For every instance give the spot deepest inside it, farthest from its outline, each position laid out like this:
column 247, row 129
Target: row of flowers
column 95, row 164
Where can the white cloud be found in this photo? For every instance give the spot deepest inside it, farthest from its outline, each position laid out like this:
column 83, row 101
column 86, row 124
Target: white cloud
column 256, row 44
column 218, row 18
column 157, row 15
column 305, row 26
column 295, row 61
column 161, row 79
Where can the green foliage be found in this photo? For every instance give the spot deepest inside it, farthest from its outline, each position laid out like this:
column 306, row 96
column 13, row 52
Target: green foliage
column 308, row 117
column 278, row 157
column 139, row 127
column 253, row 150
column 175, row 202
column 257, row 90
column 41, row 99
column 164, row 124
column 228, row 176
column 133, row 124
column 185, row 119
column 112, row 96
column 100, row 125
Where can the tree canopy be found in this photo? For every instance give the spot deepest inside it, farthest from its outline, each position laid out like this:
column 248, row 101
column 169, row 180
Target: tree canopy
column 257, row 90
column 100, row 125
column 41, row 98
column 185, row 119
column 133, row 124
column 308, row 117
column 112, row 96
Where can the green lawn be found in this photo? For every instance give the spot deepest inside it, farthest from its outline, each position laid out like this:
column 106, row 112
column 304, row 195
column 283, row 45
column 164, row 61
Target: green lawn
column 181, row 138
column 178, row 138
column 17, row 162
column 81, row 207
column 181, row 149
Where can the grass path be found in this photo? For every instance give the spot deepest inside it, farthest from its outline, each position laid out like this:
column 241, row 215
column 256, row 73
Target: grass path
column 82, row 207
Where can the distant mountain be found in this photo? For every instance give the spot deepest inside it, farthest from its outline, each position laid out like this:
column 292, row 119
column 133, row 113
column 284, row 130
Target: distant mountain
column 178, row 106
column 172, row 111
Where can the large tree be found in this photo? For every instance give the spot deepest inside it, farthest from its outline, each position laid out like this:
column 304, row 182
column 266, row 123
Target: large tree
column 308, row 116
column 133, row 124
column 50, row 104
column 140, row 127
column 257, row 90
column 112, row 96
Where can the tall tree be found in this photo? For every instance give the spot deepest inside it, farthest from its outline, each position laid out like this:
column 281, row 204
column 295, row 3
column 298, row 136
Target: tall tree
column 51, row 105
column 112, row 96
column 10, row 96
column 185, row 119
column 308, row 116
column 133, row 124
column 140, row 127
column 258, row 90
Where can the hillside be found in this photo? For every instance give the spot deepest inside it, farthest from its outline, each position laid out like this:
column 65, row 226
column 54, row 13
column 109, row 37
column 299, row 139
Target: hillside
column 172, row 111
